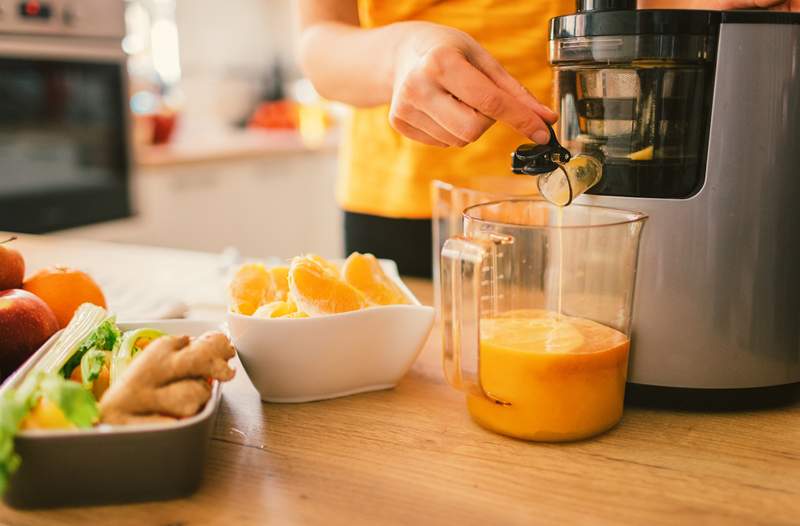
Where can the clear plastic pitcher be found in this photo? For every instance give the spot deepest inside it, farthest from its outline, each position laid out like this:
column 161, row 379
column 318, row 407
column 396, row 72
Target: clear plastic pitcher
column 449, row 201
column 536, row 304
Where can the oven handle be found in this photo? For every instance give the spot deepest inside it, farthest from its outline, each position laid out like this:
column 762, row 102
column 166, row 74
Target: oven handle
column 72, row 49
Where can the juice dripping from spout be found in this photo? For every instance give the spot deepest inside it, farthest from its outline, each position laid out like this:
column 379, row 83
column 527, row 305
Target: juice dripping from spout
column 560, row 187
column 559, row 224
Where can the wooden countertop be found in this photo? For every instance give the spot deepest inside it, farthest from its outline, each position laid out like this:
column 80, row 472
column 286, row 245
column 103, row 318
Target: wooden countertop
column 411, row 455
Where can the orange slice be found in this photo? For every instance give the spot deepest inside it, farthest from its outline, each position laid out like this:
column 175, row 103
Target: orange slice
column 280, row 281
column 318, row 290
column 329, row 265
column 364, row 272
column 275, row 309
column 250, row 286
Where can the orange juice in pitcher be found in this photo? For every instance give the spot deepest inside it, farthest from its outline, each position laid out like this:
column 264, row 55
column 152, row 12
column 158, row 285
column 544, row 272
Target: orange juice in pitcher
column 536, row 303
column 549, row 377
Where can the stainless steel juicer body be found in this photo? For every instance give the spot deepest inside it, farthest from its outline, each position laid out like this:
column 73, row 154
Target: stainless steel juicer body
column 717, row 301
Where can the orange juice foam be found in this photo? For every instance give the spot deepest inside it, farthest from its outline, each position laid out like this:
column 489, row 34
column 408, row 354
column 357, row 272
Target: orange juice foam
column 555, row 378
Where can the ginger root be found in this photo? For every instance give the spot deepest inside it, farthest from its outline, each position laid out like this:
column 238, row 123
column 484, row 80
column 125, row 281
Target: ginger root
column 168, row 380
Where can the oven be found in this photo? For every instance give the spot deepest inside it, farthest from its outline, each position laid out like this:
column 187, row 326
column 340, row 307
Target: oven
column 64, row 148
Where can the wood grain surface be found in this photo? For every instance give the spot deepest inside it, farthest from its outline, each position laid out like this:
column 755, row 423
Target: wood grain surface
column 411, row 455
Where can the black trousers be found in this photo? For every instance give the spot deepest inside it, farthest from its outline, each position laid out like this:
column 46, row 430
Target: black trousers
column 406, row 241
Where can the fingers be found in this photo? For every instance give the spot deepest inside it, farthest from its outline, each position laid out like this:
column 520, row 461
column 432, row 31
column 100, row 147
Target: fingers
column 497, row 74
column 783, row 5
column 752, row 4
column 460, row 120
column 474, row 88
column 408, row 115
column 441, row 117
column 415, row 134
column 454, row 92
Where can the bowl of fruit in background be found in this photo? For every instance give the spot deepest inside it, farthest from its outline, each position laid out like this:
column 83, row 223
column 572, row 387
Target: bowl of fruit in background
column 313, row 330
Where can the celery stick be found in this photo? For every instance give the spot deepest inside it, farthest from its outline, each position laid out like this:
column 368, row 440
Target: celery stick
column 85, row 321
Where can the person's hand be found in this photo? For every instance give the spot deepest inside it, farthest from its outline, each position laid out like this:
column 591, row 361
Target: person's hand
column 448, row 90
column 776, row 5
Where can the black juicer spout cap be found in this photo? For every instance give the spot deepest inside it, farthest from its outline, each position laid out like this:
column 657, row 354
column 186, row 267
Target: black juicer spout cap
column 536, row 159
column 604, row 5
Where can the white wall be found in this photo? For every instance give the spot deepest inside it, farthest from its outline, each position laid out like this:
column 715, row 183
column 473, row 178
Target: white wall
column 227, row 48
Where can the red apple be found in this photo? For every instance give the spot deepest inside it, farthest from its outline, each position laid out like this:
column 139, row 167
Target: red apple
column 12, row 266
column 26, row 322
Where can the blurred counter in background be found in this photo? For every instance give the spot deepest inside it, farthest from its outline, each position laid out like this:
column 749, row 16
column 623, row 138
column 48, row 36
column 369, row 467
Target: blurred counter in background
column 232, row 146
column 264, row 193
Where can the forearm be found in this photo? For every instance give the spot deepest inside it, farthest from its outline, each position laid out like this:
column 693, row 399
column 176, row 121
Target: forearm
column 351, row 64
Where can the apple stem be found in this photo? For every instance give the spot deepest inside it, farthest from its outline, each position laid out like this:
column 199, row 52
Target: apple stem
column 12, row 238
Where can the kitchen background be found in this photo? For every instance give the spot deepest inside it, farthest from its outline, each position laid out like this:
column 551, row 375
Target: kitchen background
column 231, row 147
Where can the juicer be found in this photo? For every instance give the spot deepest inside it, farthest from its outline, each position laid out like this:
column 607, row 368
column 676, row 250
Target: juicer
column 695, row 116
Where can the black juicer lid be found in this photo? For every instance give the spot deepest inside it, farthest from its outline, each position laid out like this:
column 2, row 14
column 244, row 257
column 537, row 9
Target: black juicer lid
column 601, row 21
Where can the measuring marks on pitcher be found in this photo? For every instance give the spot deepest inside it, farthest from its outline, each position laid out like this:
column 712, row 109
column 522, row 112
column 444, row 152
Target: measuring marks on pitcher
column 495, row 269
column 492, row 273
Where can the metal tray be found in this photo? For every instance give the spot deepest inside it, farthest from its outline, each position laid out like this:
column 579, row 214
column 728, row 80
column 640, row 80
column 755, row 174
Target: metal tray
column 110, row 465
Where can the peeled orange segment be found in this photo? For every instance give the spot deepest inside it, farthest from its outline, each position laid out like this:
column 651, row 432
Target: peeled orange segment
column 280, row 282
column 317, row 290
column 250, row 286
column 328, row 265
column 275, row 309
column 364, row 272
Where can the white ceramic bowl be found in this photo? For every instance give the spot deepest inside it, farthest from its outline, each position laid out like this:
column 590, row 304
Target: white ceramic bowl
column 306, row 359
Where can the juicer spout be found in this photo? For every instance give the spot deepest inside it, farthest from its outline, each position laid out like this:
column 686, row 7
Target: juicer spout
column 537, row 159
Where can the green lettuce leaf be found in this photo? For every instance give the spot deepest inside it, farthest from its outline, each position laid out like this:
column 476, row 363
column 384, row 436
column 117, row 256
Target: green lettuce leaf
column 14, row 405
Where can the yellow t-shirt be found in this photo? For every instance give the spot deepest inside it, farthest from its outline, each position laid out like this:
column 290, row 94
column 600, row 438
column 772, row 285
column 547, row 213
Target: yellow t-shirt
column 384, row 173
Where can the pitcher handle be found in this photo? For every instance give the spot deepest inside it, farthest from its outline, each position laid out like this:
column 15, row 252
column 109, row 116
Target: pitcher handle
column 462, row 264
